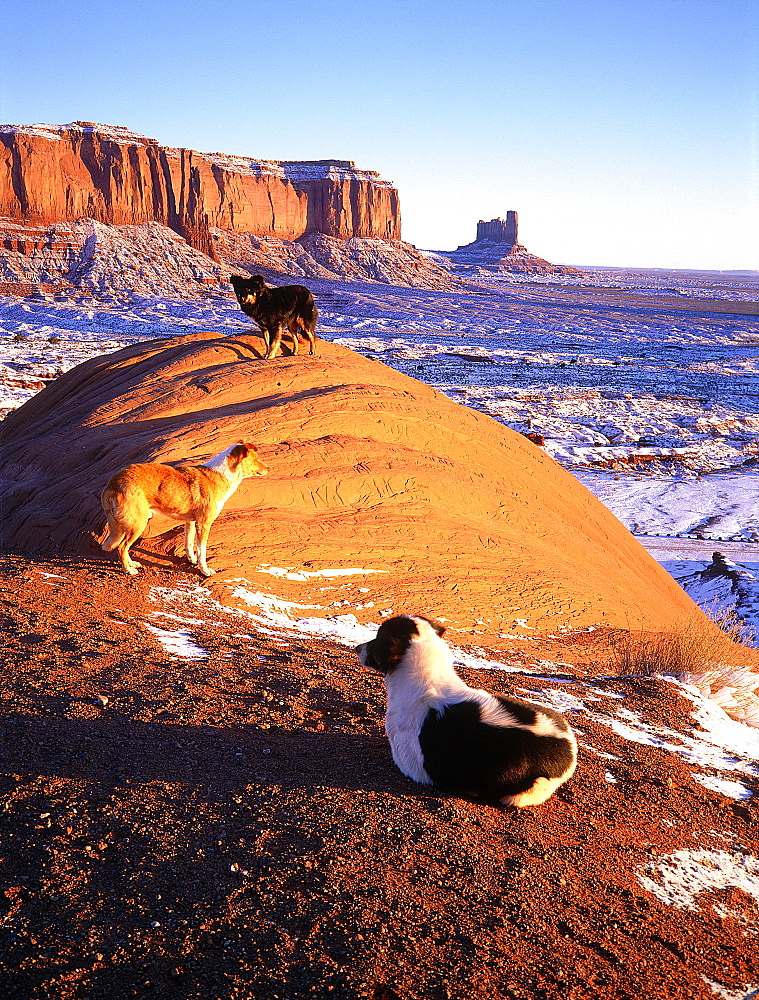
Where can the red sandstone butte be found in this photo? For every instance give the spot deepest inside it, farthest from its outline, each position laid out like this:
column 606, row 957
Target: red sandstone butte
column 59, row 173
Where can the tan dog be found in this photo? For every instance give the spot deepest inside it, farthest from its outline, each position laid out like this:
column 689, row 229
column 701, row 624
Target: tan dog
column 194, row 494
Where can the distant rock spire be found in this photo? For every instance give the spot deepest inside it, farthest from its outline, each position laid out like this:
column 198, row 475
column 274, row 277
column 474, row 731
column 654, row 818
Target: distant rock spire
column 499, row 230
column 497, row 248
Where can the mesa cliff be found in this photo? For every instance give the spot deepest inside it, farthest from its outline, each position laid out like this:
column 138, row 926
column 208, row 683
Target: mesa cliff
column 61, row 173
column 91, row 209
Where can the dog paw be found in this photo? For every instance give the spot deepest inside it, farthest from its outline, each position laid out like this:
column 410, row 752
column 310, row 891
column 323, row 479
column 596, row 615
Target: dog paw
column 207, row 571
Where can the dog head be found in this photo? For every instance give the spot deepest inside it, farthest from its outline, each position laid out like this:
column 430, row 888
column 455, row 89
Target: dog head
column 247, row 290
column 394, row 636
column 242, row 458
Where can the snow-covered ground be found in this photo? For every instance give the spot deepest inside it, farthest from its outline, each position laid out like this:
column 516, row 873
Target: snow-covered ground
column 644, row 384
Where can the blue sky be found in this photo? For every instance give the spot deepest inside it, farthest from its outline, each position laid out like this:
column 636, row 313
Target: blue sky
column 623, row 132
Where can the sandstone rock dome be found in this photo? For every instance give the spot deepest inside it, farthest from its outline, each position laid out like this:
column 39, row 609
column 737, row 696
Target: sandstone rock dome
column 456, row 515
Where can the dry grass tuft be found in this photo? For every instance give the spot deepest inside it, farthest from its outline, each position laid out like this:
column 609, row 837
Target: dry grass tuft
column 726, row 619
column 643, row 654
column 691, row 648
column 695, row 655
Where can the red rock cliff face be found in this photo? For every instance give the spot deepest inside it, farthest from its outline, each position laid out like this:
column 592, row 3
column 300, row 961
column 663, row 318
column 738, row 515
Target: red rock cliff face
column 61, row 173
column 346, row 202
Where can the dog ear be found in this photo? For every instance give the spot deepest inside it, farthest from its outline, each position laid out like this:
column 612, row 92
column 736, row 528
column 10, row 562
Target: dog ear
column 237, row 454
column 392, row 641
column 396, row 650
column 440, row 629
column 384, row 656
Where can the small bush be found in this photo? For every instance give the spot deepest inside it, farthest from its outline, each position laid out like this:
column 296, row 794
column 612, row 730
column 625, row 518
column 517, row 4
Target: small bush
column 646, row 654
column 727, row 621
column 689, row 649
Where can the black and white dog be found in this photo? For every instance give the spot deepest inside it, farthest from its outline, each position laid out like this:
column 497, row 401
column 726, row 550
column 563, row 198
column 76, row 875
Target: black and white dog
column 462, row 739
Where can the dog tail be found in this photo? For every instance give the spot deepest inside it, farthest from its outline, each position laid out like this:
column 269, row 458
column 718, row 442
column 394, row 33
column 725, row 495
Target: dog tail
column 113, row 533
column 310, row 316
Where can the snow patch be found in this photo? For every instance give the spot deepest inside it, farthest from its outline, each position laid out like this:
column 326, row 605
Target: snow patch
column 178, row 642
column 280, row 614
column 721, row 745
column 746, row 993
column 677, row 879
column 561, row 701
column 730, row 789
column 718, row 728
column 290, row 573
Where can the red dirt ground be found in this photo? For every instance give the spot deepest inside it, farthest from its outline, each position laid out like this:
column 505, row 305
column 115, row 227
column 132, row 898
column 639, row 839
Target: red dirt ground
column 234, row 827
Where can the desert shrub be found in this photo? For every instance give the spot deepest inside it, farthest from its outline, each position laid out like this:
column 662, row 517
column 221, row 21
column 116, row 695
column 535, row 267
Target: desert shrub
column 645, row 654
column 695, row 654
column 728, row 621
column 690, row 648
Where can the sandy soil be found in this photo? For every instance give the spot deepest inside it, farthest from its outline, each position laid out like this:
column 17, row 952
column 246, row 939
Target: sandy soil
column 233, row 827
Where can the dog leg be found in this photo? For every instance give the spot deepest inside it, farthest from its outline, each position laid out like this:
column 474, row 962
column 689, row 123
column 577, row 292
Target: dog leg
column 267, row 339
column 133, row 517
column 311, row 340
column 114, row 530
column 130, row 537
column 190, row 542
column 203, row 529
column 113, row 535
column 294, row 327
column 541, row 789
column 308, row 333
column 275, row 339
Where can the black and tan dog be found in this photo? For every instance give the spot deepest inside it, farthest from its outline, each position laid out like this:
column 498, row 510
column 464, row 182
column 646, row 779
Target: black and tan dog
column 273, row 309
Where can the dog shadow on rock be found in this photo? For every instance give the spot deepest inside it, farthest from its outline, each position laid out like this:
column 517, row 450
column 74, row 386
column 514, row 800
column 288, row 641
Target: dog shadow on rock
column 120, row 748
column 150, row 559
column 246, row 351
column 243, row 349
